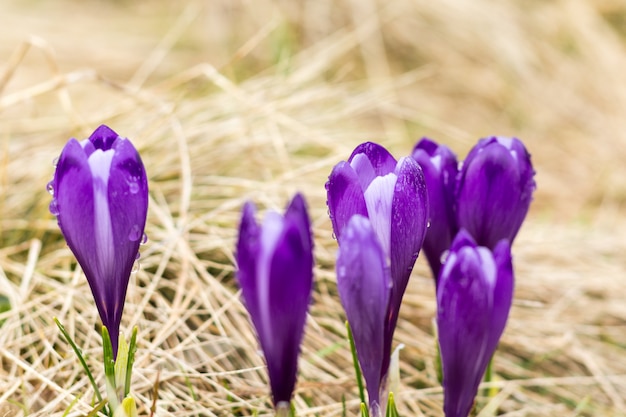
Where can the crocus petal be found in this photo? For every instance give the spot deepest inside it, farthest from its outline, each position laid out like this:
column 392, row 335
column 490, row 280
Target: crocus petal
column 467, row 305
column 364, row 285
column 494, row 190
column 379, row 159
column 102, row 215
column 439, row 165
column 503, row 291
column 378, row 199
column 409, row 217
column 275, row 272
column 247, row 252
column 345, row 196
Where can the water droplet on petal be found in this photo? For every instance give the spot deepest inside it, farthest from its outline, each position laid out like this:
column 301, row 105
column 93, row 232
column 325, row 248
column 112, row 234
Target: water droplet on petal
column 138, row 255
column 55, row 162
column 136, row 267
column 342, row 271
column 428, row 224
column 54, row 207
column 50, row 187
column 334, row 236
column 444, row 256
column 135, row 233
column 144, row 239
column 133, row 187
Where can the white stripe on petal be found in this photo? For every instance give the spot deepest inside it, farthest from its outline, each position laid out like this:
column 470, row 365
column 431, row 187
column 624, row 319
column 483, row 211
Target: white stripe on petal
column 100, row 165
column 271, row 230
column 378, row 199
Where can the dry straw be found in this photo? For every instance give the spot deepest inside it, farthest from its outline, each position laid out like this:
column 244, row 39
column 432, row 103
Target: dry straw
column 235, row 100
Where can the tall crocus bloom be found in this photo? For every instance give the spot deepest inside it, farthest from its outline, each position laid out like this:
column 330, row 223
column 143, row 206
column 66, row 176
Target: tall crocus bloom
column 393, row 196
column 100, row 198
column 474, row 297
column 439, row 164
column 364, row 284
column 494, row 190
column 275, row 273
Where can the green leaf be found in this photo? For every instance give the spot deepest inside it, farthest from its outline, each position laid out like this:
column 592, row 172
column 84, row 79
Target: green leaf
column 132, row 350
column 355, row 361
column 109, row 370
column 121, row 362
column 392, row 411
column 364, row 412
column 127, row 408
column 97, row 408
column 80, row 357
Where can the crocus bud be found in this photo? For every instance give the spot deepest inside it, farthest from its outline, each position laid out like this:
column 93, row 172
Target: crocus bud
column 275, row 273
column 439, row 164
column 364, row 285
column 100, row 198
column 494, row 190
column 474, row 297
column 393, row 196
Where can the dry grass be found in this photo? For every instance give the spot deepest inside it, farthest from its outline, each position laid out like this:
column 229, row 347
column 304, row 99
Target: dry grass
column 236, row 100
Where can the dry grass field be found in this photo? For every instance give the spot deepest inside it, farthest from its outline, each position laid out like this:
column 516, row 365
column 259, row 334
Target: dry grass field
column 235, row 100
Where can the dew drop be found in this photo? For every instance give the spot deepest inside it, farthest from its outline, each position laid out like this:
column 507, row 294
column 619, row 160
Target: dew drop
column 144, row 239
column 444, row 256
column 135, row 233
column 428, row 224
column 54, row 207
column 136, row 267
column 334, row 236
column 138, row 255
column 55, row 162
column 50, row 187
column 133, row 187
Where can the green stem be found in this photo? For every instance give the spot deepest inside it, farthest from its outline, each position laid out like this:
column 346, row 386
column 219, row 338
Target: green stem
column 355, row 361
column 489, row 377
column 131, row 360
column 109, row 371
column 80, row 358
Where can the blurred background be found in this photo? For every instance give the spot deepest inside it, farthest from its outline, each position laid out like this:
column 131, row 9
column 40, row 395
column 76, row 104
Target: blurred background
column 229, row 100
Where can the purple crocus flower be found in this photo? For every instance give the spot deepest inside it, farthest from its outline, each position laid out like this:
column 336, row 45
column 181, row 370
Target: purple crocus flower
column 494, row 190
column 439, row 164
column 275, row 273
column 474, row 297
column 364, row 284
column 393, row 196
column 100, row 199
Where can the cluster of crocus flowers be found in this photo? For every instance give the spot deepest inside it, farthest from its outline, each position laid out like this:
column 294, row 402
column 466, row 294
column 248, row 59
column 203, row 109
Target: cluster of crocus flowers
column 476, row 212
column 275, row 273
column 379, row 210
column 100, row 199
column 489, row 195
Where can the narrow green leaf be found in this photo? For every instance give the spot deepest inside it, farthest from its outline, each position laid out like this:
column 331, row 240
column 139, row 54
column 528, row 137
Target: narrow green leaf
column 109, row 371
column 121, row 362
column 364, row 412
column 80, row 357
column 490, row 392
column 69, row 407
column 355, row 361
column 438, row 365
column 392, row 411
column 96, row 410
column 132, row 349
